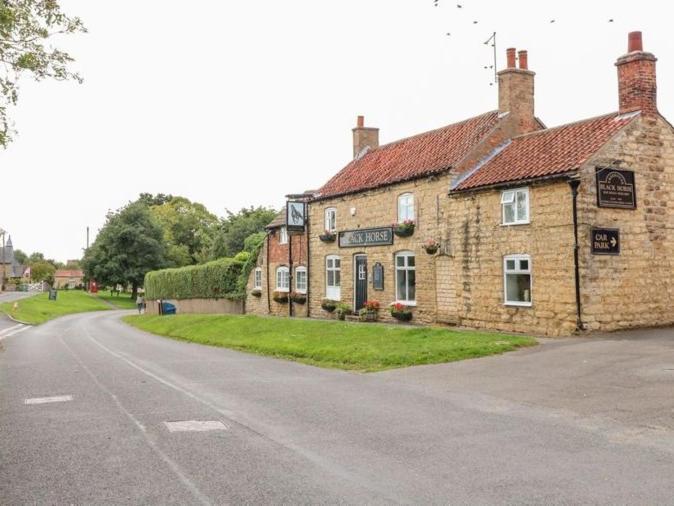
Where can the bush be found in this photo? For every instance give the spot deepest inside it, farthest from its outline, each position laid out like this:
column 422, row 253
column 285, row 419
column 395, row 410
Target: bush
column 242, row 256
column 216, row 279
column 343, row 310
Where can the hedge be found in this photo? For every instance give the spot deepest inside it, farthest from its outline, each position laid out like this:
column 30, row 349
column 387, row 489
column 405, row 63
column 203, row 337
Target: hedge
column 216, row 279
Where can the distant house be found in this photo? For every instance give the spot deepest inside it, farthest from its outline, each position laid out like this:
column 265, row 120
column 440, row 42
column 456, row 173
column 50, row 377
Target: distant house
column 68, row 278
column 12, row 268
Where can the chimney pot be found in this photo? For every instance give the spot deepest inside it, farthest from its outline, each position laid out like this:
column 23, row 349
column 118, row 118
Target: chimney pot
column 360, row 122
column 510, row 57
column 523, row 59
column 634, row 42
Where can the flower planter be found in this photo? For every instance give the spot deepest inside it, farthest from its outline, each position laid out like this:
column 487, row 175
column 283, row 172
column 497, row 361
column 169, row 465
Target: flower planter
column 431, row 250
column 280, row 297
column 403, row 316
column 404, row 230
column 329, row 305
column 369, row 316
column 327, row 237
column 299, row 298
column 256, row 292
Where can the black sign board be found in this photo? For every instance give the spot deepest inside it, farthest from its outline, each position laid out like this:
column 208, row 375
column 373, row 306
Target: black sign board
column 605, row 241
column 615, row 188
column 295, row 216
column 366, row 237
column 378, row 276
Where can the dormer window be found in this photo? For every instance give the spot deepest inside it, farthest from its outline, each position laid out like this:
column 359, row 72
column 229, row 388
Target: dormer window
column 515, row 206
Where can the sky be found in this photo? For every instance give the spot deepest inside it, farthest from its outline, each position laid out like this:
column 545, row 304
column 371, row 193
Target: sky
column 233, row 103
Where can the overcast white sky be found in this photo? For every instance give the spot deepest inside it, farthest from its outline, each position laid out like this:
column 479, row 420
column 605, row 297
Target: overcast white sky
column 234, row 103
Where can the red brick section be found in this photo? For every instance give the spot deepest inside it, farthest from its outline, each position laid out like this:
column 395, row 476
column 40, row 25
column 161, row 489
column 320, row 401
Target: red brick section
column 637, row 88
column 548, row 152
column 422, row 155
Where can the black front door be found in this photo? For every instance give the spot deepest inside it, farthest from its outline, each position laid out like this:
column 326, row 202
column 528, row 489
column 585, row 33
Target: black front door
column 360, row 273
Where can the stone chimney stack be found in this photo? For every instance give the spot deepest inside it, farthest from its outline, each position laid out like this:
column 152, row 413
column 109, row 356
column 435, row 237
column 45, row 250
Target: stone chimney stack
column 364, row 137
column 516, row 91
column 637, row 88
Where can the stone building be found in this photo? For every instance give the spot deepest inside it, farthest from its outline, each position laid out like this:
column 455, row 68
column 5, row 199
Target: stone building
column 68, row 278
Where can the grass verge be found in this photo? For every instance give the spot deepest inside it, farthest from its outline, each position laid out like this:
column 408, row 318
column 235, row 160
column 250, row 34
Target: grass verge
column 40, row 309
column 351, row 346
column 123, row 301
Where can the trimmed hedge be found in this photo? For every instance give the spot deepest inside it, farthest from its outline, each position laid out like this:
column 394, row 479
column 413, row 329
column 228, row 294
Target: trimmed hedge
column 216, row 279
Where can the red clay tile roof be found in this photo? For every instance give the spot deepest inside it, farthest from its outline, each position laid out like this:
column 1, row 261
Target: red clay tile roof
column 546, row 152
column 65, row 273
column 421, row 155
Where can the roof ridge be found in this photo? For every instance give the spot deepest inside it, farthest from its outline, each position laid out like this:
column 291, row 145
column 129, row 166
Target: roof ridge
column 577, row 122
column 397, row 141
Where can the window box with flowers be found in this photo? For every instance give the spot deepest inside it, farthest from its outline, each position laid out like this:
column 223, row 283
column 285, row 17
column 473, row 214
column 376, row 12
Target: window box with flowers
column 370, row 311
column 280, row 297
column 298, row 298
column 329, row 305
column 400, row 312
column 404, row 229
column 256, row 292
column 431, row 246
column 328, row 236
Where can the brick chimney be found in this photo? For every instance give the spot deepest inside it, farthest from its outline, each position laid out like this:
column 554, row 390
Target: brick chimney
column 516, row 91
column 364, row 137
column 636, row 78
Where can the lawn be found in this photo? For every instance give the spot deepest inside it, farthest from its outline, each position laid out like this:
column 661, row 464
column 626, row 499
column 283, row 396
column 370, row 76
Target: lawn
column 40, row 309
column 122, row 301
column 327, row 343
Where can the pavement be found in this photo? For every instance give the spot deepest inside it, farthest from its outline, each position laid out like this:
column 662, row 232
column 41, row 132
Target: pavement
column 12, row 296
column 92, row 411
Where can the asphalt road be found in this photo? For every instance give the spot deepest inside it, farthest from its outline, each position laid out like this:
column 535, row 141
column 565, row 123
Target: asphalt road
column 85, row 401
column 12, row 296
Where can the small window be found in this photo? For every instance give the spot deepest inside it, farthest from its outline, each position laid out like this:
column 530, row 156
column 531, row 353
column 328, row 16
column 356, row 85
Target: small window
column 333, row 274
column 301, row 280
column 282, row 279
column 283, row 235
column 331, row 219
column 517, row 280
column 257, row 278
column 405, row 207
column 515, row 206
column 405, row 277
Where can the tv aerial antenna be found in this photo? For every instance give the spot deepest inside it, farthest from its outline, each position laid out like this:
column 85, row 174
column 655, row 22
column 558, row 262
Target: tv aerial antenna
column 492, row 40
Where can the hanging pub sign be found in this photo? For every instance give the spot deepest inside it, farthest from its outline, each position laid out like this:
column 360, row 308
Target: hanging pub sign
column 615, row 188
column 366, row 237
column 378, row 276
column 295, row 216
column 605, row 241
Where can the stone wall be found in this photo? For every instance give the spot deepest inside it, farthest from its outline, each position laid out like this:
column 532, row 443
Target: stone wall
column 635, row 287
column 199, row 306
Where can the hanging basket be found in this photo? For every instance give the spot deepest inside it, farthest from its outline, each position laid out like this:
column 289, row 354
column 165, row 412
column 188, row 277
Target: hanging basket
column 327, row 237
column 404, row 230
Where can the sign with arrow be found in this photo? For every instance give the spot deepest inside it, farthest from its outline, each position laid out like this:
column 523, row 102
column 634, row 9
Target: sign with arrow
column 605, row 241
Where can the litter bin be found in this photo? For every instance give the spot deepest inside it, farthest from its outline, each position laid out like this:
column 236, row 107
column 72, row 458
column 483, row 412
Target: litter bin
column 168, row 308
column 52, row 294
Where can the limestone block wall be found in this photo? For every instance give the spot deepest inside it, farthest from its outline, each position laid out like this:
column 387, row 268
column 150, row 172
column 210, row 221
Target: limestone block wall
column 372, row 209
column 198, row 306
column 478, row 244
column 634, row 288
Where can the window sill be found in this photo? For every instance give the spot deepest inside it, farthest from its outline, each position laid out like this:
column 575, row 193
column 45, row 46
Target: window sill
column 303, row 292
column 284, row 290
column 518, row 304
column 514, row 224
column 410, row 303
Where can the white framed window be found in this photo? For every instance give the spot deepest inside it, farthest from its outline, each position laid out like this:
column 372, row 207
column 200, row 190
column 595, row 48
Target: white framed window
column 257, row 278
column 282, row 279
column 405, row 277
column 301, row 279
column 517, row 280
column 283, row 235
column 331, row 219
column 405, row 207
column 515, row 206
column 333, row 277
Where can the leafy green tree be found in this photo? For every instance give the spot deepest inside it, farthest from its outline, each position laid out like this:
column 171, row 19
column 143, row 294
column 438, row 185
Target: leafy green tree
column 25, row 28
column 236, row 227
column 189, row 229
column 35, row 257
column 20, row 257
column 130, row 244
column 42, row 271
column 154, row 200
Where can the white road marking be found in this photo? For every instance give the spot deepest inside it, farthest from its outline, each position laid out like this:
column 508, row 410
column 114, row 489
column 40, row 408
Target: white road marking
column 13, row 330
column 195, row 426
column 49, row 400
column 9, row 329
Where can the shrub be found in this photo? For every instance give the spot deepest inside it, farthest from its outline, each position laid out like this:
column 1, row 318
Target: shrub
column 242, row 256
column 343, row 310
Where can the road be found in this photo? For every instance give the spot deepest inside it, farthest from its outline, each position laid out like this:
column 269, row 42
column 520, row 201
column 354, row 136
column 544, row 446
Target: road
column 88, row 409
column 12, row 296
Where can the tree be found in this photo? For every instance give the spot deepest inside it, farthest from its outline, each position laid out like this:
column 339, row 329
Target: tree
column 42, row 271
column 25, row 27
column 234, row 229
column 154, row 200
column 20, row 256
column 35, row 257
column 189, row 229
column 130, row 244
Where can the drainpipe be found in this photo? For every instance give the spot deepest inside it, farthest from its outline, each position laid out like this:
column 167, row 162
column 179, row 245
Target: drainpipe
column 268, row 298
column 306, row 231
column 290, row 273
column 574, row 183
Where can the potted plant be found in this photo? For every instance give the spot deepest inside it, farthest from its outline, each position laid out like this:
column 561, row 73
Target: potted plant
column 370, row 311
column 328, row 236
column 431, row 246
column 400, row 312
column 329, row 305
column 342, row 311
column 298, row 298
column 404, row 229
column 256, row 292
column 280, row 297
